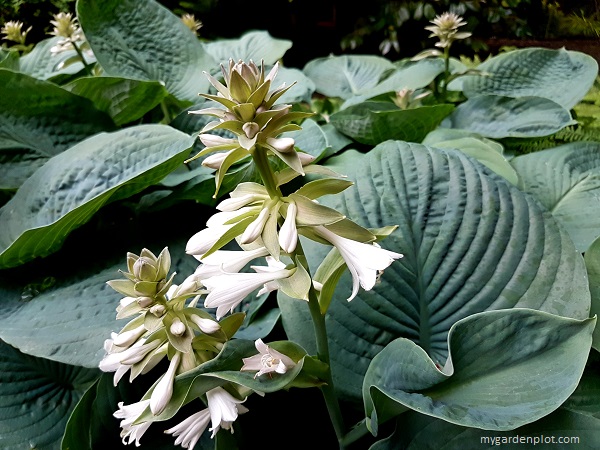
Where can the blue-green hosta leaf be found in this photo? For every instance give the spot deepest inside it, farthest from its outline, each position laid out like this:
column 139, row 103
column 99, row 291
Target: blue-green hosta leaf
column 566, row 180
column 374, row 122
column 125, row 100
column 592, row 262
column 471, row 241
column 252, row 45
column 318, row 141
column 505, row 369
column 42, row 64
column 302, row 91
column 72, row 186
column 17, row 165
column 36, row 398
column 44, row 117
column 347, row 75
column 562, row 430
column 407, row 74
column 495, row 116
column 484, row 150
column 563, row 76
column 144, row 40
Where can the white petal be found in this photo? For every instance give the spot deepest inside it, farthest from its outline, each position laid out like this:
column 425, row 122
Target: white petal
column 164, row 389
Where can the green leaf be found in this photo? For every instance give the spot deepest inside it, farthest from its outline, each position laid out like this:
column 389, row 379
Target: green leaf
column 302, row 91
column 125, row 100
column 374, row 122
column 17, row 165
column 563, row 76
column 505, row 369
column 317, row 140
column 43, row 117
column 566, row 180
column 72, row 186
column 144, row 40
column 486, row 151
column 42, row 64
column 252, row 45
column 592, row 262
column 347, row 75
column 497, row 117
column 471, row 242
column 36, row 398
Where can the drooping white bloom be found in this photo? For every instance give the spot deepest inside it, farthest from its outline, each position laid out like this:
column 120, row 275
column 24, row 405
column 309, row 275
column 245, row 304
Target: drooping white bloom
column 121, row 361
column 189, row 431
column 364, row 260
column 255, row 228
column 267, row 360
column 129, row 414
column 164, row 389
column 215, row 161
column 129, row 337
column 237, row 202
column 224, row 409
column 226, row 291
column 229, row 261
column 207, row 326
column 288, row 233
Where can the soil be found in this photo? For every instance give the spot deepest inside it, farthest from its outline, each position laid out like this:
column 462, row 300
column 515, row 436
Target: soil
column 588, row 46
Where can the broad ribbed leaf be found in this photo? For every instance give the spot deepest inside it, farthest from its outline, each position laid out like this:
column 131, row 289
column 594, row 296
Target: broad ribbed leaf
column 302, row 91
column 505, row 369
column 72, row 186
column 497, row 117
column 144, row 40
column 347, row 75
column 418, row 432
column 43, row 117
column 36, row 398
column 125, row 100
column 16, row 165
column 471, row 242
column 252, row 45
column 592, row 262
column 563, row 76
column 42, row 64
column 566, row 180
column 374, row 122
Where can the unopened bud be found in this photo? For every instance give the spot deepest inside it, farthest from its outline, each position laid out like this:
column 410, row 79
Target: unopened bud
column 177, row 327
column 207, row 326
column 158, row 310
column 251, row 128
column 144, row 269
column 145, row 301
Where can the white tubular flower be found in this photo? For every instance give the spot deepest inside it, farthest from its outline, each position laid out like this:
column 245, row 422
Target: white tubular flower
column 129, row 414
column 224, row 409
column 121, row 362
column 235, row 203
column 255, row 228
column 305, row 158
column 288, row 234
column 127, row 338
column 164, row 389
column 267, row 360
column 207, row 326
column 228, row 261
column 189, row 431
column 213, row 140
column 282, row 145
column 364, row 260
column 228, row 290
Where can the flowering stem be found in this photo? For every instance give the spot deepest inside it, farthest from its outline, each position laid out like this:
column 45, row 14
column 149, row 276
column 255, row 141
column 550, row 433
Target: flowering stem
column 81, row 57
column 446, row 73
column 259, row 155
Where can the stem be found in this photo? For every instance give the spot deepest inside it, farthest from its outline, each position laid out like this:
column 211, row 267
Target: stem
column 446, row 72
column 356, row 433
column 259, row 155
column 333, row 406
column 88, row 69
column 165, row 110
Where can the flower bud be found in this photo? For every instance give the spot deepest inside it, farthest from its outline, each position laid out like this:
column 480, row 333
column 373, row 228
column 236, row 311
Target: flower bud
column 282, row 145
column 158, row 310
column 126, row 338
column 144, row 269
column 250, row 128
column 177, row 328
column 207, row 326
column 144, row 302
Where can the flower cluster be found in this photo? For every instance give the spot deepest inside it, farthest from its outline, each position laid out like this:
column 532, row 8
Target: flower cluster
column 445, row 28
column 265, row 224
column 12, row 31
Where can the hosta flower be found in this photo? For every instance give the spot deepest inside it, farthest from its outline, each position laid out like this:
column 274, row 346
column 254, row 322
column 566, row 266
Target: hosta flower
column 288, row 233
column 365, row 261
column 268, row 360
column 205, row 325
column 227, row 261
column 190, row 430
column 129, row 413
column 164, row 389
column 122, row 361
column 224, row 409
column 12, row 31
column 226, row 291
column 65, row 26
column 445, row 28
column 189, row 20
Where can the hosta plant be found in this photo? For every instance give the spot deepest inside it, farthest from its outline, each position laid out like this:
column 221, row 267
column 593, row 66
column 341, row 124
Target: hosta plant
column 201, row 247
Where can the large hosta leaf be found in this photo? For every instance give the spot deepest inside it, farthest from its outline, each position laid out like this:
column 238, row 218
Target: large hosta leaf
column 144, row 40
column 347, row 75
column 43, row 117
column 472, row 242
column 505, row 369
column 374, row 122
column 566, row 180
column 592, row 262
column 36, row 398
column 495, row 116
column 72, row 186
column 252, row 45
column 125, row 100
column 562, row 76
